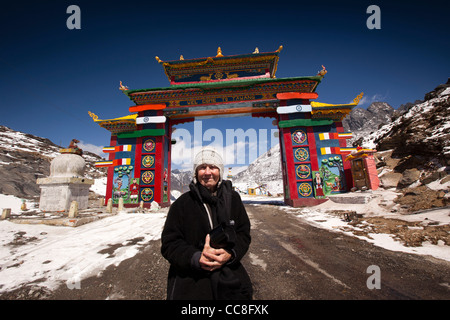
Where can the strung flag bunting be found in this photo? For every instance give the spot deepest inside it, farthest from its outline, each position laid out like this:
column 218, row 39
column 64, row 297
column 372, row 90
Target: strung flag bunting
column 336, row 150
column 330, row 150
column 348, row 150
column 125, row 147
column 335, row 135
column 113, row 163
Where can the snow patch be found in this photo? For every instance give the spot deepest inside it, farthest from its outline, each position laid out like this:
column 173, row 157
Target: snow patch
column 337, row 224
column 56, row 255
column 99, row 186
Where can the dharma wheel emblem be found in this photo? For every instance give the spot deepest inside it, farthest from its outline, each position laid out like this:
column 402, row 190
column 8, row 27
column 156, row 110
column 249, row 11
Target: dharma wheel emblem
column 147, row 194
column 299, row 136
column 149, row 145
column 148, row 161
column 303, row 171
column 305, row 189
column 301, row 154
column 147, row 177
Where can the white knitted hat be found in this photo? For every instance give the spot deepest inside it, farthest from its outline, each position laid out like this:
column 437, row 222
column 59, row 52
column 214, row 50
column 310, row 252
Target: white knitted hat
column 208, row 155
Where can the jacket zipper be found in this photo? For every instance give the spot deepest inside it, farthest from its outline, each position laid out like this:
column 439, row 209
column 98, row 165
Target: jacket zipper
column 209, row 215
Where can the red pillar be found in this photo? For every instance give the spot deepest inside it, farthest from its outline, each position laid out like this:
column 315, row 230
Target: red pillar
column 290, row 164
column 371, row 171
column 110, row 173
column 346, row 164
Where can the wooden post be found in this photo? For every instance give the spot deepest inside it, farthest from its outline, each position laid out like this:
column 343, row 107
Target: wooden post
column 109, row 206
column 6, row 213
column 73, row 211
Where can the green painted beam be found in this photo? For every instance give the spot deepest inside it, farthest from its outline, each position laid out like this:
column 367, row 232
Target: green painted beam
column 304, row 123
column 142, row 133
column 225, row 84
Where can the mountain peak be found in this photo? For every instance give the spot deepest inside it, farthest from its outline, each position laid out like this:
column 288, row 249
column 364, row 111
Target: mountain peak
column 362, row 122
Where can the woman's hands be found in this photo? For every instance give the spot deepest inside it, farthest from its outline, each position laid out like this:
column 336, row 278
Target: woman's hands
column 212, row 259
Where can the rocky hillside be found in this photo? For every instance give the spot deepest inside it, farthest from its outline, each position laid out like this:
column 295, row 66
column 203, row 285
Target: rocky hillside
column 180, row 180
column 422, row 131
column 365, row 121
column 414, row 151
column 420, row 134
column 266, row 169
column 25, row 157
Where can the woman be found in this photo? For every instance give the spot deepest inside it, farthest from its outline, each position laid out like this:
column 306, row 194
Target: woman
column 203, row 265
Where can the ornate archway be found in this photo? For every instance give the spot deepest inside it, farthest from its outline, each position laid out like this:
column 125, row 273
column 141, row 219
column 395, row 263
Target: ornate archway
column 312, row 138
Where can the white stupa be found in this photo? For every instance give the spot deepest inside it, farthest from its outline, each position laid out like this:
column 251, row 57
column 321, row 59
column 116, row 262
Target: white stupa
column 65, row 184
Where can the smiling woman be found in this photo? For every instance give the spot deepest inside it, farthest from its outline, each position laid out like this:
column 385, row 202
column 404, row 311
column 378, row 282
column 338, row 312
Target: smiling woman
column 206, row 234
column 208, row 168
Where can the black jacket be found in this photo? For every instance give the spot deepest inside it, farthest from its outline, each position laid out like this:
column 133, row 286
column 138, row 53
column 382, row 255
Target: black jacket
column 183, row 237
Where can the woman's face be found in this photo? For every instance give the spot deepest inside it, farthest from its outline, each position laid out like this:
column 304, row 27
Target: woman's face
column 208, row 176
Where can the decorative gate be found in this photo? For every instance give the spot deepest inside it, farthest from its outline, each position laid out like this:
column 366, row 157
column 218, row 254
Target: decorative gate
column 312, row 138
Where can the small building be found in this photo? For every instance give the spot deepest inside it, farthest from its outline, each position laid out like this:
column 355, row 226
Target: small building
column 363, row 168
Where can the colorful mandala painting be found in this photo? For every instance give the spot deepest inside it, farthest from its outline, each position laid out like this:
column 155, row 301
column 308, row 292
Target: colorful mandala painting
column 299, row 136
column 147, row 194
column 147, row 177
column 305, row 189
column 148, row 161
column 303, row 171
column 301, row 154
column 149, row 145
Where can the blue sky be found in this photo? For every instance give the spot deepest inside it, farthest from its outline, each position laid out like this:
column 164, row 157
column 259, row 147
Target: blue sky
column 52, row 76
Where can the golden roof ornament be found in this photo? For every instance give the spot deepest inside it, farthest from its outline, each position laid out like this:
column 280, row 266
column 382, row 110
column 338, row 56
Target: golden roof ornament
column 358, row 98
column 322, row 72
column 256, row 50
column 122, row 87
column 181, row 57
column 93, row 116
column 219, row 53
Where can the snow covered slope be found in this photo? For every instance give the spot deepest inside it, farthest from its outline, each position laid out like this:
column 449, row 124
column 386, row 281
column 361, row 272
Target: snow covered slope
column 424, row 129
column 264, row 170
column 25, row 157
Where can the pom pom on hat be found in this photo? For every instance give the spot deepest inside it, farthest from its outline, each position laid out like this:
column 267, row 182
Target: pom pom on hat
column 208, row 155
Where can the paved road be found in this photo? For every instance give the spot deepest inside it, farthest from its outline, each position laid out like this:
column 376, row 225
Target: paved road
column 288, row 260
